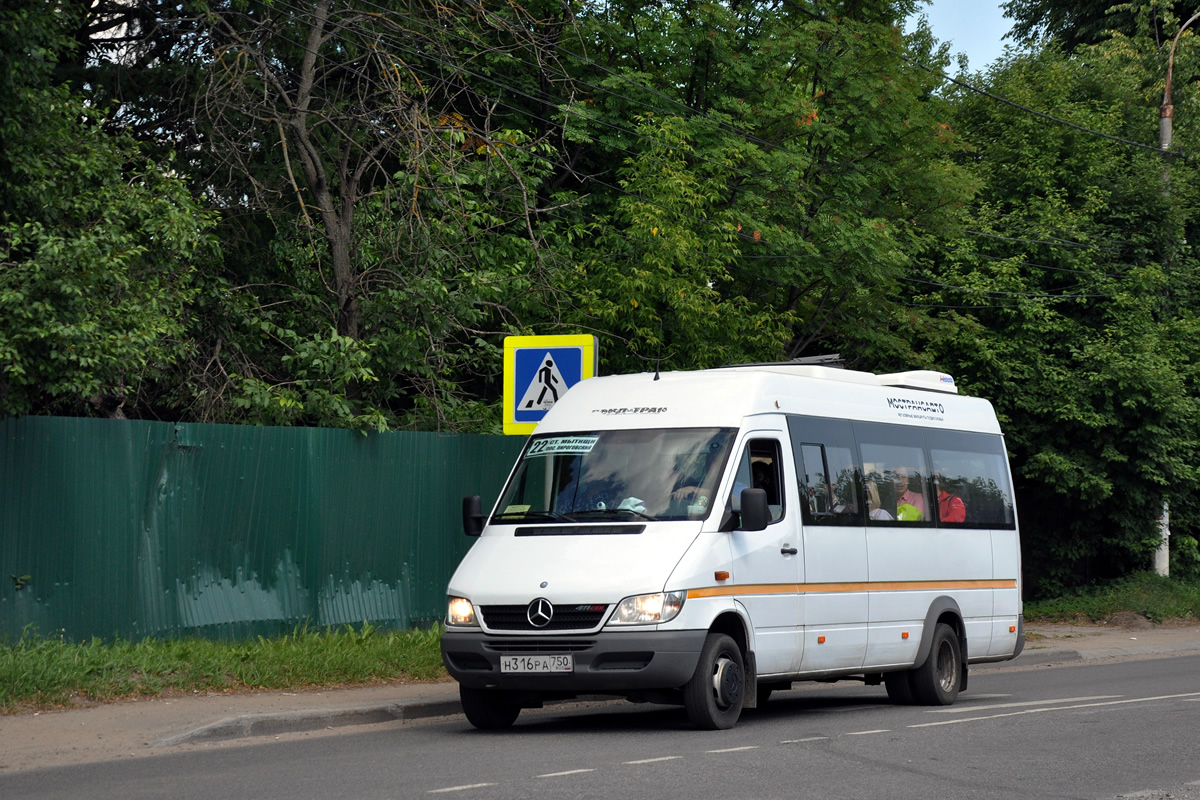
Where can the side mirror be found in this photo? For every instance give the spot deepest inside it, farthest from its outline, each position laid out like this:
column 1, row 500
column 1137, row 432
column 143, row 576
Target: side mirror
column 755, row 513
column 473, row 516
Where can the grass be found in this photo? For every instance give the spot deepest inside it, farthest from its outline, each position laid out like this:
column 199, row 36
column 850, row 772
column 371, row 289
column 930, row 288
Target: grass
column 46, row 672
column 1159, row 599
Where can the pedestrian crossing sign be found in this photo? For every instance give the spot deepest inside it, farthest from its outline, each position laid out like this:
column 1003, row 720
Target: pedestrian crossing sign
column 538, row 370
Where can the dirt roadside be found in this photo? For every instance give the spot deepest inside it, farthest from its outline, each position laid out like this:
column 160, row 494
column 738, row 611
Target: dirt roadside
column 158, row 726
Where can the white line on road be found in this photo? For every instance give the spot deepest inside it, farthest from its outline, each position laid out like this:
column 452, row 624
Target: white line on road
column 809, row 739
column 734, row 749
column 852, row 709
column 863, row 733
column 1061, row 708
column 568, row 772
column 460, row 788
column 966, row 709
column 652, row 760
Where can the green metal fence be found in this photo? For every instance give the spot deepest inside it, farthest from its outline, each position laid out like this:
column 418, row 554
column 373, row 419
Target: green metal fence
column 139, row 529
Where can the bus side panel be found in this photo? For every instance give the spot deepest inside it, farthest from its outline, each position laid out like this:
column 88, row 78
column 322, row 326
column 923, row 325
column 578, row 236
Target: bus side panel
column 835, row 614
column 929, row 555
column 1006, row 554
column 895, row 613
column 912, row 567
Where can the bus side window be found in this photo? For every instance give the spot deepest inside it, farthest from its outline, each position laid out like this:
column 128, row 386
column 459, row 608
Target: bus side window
column 896, row 473
column 971, row 475
column 759, row 468
column 827, row 471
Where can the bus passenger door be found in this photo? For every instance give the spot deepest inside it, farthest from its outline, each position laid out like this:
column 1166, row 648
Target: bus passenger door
column 768, row 564
column 835, row 545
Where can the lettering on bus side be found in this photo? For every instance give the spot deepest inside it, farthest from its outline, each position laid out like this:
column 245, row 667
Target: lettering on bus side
column 909, row 408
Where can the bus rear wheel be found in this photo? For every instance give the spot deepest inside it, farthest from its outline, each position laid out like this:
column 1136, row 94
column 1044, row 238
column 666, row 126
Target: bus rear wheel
column 938, row 680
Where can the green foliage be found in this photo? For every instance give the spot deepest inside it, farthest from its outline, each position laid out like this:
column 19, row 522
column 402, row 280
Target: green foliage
column 655, row 277
column 97, row 249
column 1061, row 302
column 1158, row 598
column 789, row 162
column 1077, row 24
column 49, row 672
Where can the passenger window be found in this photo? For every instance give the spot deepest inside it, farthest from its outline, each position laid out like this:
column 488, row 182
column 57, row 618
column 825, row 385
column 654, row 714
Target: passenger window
column 895, row 475
column 971, row 480
column 826, row 471
column 759, row 468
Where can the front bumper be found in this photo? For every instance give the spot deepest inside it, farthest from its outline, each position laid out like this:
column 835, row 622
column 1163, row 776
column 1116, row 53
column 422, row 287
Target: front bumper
column 605, row 662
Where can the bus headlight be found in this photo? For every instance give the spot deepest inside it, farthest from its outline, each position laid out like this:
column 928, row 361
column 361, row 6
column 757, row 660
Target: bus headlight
column 648, row 609
column 459, row 611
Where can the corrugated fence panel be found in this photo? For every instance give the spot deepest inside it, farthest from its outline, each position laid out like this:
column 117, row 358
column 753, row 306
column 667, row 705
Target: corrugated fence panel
column 153, row 529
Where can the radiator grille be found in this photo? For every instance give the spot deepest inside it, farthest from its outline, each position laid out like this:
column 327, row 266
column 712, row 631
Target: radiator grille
column 524, row 645
column 574, row 617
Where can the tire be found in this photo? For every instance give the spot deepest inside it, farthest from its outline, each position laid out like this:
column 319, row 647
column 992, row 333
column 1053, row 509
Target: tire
column 486, row 709
column 938, row 680
column 714, row 695
column 899, row 687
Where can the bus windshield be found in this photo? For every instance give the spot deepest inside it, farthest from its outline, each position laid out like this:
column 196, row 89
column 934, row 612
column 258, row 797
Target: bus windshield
column 617, row 475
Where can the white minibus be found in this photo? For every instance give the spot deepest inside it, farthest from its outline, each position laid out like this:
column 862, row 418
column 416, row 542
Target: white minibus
column 705, row 538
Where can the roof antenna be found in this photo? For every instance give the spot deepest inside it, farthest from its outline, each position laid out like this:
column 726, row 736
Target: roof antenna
column 658, row 360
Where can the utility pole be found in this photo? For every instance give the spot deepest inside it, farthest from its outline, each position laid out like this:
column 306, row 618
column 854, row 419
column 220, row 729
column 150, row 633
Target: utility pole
column 1166, row 116
column 1167, row 113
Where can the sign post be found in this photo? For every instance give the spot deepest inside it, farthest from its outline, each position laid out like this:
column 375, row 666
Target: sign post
column 538, row 370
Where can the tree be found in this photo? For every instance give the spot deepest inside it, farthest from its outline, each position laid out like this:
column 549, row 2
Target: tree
column 97, row 242
column 1077, row 24
column 1066, row 299
column 819, row 159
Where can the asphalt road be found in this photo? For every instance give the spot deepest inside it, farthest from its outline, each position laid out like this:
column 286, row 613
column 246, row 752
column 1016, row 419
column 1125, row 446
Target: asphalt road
column 1105, row 730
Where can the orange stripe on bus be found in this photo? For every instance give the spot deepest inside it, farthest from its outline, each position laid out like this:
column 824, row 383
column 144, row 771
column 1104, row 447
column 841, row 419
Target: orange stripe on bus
column 864, row 586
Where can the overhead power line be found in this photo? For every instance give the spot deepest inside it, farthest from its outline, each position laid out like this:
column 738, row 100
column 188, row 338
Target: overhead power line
column 1036, row 113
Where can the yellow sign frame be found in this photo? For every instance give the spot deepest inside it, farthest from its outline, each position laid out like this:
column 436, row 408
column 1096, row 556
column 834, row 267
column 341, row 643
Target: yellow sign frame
column 516, row 350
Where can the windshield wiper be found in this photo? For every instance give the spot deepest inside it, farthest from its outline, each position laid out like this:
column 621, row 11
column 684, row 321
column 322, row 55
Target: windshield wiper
column 608, row 512
column 552, row 516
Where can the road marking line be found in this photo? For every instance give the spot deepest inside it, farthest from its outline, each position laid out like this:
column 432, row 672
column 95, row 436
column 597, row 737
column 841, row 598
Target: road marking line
column 863, row 733
column 460, row 788
column 969, row 708
column 652, row 760
column 734, row 749
column 560, row 774
column 1060, row 708
column 809, row 739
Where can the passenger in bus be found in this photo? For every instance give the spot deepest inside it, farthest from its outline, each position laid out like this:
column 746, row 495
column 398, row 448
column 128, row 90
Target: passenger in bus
column 874, row 509
column 951, row 507
column 764, row 478
column 910, row 505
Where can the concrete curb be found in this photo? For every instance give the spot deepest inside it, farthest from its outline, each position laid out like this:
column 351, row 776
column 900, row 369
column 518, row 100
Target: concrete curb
column 1032, row 656
column 250, row 725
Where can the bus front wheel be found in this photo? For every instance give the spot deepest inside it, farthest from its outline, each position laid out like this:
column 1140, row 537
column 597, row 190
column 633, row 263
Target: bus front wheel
column 714, row 695
column 486, row 709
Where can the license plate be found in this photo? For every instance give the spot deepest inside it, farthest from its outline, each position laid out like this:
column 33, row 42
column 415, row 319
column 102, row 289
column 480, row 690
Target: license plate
column 538, row 663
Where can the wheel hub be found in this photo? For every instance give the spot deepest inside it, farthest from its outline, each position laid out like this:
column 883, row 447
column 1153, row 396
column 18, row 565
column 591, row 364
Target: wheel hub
column 727, row 682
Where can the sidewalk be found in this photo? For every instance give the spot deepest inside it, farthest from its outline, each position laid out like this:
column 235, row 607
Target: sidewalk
column 142, row 728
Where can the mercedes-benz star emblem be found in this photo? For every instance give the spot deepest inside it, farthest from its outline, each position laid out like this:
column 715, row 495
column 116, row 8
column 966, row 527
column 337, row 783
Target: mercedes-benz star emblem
column 539, row 613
